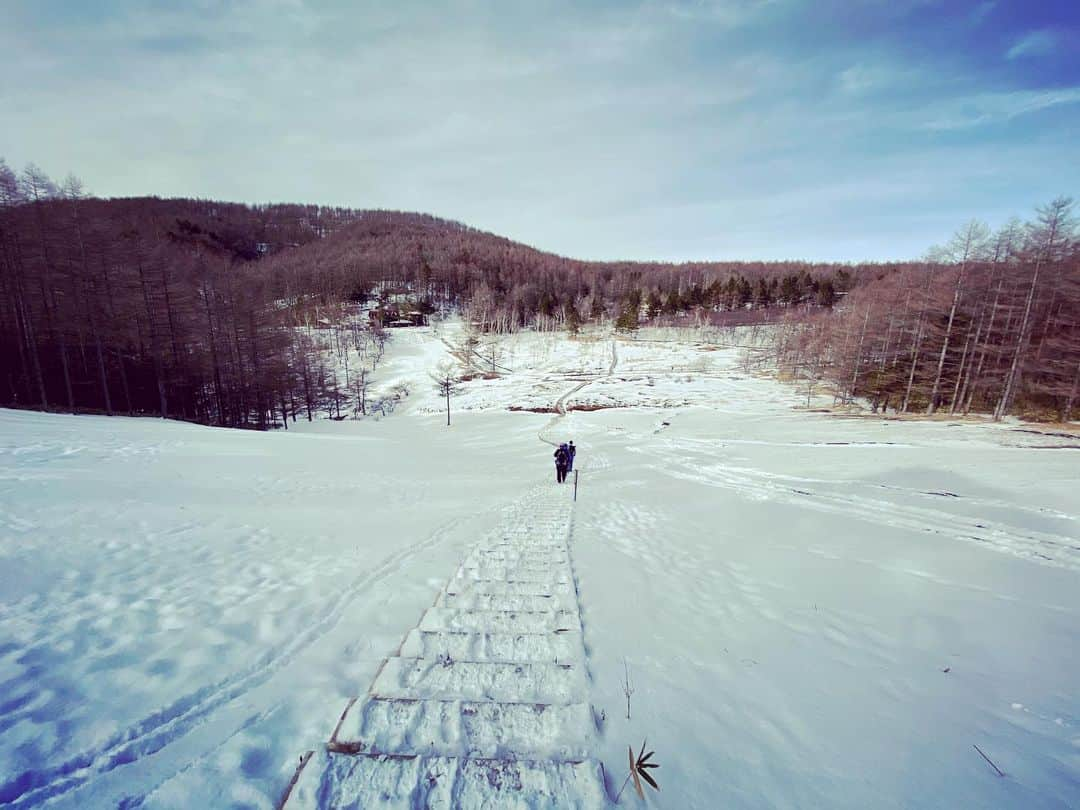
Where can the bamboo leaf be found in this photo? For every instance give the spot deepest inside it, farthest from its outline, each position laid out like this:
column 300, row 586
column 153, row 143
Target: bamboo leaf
column 650, row 780
column 640, row 768
column 634, row 774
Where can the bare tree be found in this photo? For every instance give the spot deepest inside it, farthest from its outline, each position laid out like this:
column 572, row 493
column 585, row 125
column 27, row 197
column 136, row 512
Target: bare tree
column 38, row 190
column 446, row 383
column 362, row 381
column 918, row 335
column 1047, row 236
column 1003, row 251
column 13, row 277
column 967, row 246
column 492, row 355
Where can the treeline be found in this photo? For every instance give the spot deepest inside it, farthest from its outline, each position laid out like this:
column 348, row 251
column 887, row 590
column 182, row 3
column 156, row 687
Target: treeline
column 503, row 285
column 152, row 307
column 660, row 294
column 736, row 293
column 991, row 324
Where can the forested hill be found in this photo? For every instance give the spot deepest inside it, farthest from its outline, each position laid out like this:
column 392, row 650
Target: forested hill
column 194, row 308
column 509, row 284
column 340, row 254
column 335, row 252
column 191, row 308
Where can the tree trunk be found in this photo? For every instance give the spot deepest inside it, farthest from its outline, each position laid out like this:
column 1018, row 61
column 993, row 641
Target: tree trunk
column 155, row 348
column 932, row 404
column 916, row 345
column 1066, row 413
column 124, row 381
column 858, row 354
column 1053, row 217
column 103, row 375
column 960, row 371
column 1012, row 379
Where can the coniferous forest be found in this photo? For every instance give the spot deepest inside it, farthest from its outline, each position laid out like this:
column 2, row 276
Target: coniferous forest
column 220, row 312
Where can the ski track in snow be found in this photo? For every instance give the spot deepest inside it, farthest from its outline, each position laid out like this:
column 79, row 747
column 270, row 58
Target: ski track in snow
column 485, row 703
column 560, row 405
column 1043, row 547
column 167, row 725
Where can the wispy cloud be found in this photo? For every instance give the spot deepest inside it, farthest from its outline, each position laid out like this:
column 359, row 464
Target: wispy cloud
column 865, row 78
column 1035, row 43
column 982, row 10
column 858, row 78
column 730, row 13
column 988, row 108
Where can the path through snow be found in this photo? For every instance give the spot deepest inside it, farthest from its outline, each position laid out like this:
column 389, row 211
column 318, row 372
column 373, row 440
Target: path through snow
column 486, row 702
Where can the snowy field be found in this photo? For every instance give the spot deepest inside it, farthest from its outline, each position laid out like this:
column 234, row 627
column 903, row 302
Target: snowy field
column 815, row 611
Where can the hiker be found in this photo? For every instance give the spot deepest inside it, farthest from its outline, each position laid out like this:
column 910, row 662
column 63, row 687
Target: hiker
column 562, row 457
column 571, row 451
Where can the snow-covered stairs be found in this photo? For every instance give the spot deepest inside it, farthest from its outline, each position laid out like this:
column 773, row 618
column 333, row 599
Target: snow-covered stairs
column 485, row 704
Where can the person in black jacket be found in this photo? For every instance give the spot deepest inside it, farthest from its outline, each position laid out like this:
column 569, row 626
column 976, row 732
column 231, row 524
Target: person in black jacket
column 562, row 458
column 571, row 451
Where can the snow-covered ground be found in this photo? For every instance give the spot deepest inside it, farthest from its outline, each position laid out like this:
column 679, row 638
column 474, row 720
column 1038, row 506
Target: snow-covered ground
column 814, row 611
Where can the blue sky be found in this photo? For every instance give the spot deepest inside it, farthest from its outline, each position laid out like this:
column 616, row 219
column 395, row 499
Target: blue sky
column 674, row 129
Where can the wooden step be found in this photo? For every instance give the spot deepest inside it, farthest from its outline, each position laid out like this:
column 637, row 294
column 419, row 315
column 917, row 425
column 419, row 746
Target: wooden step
column 468, row 728
column 362, row 782
column 499, row 621
column 512, row 585
column 520, row 573
column 463, row 645
column 533, row 603
column 421, row 678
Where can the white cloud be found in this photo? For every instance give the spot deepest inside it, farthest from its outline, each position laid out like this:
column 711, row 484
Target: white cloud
column 988, row 108
column 864, row 77
column 729, row 13
column 1034, row 43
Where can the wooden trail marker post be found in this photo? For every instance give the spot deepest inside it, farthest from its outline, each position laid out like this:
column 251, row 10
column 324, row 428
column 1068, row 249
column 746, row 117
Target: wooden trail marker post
column 575, row 484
